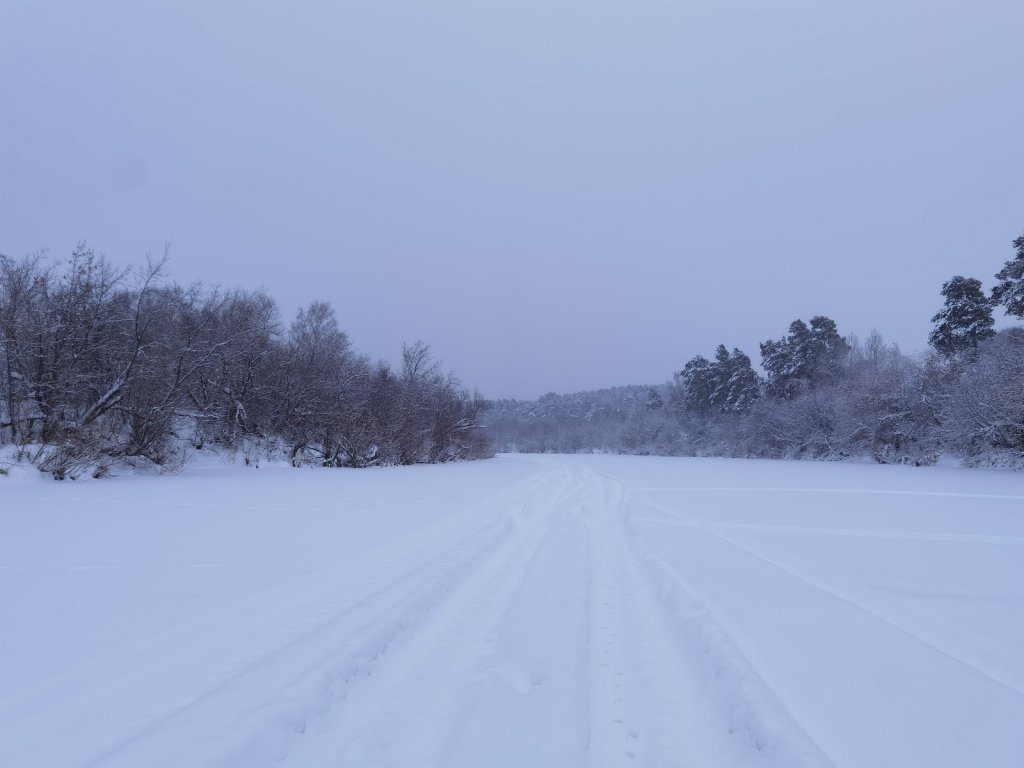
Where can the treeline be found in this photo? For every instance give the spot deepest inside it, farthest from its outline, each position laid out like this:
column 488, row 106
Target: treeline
column 826, row 396
column 619, row 419
column 99, row 364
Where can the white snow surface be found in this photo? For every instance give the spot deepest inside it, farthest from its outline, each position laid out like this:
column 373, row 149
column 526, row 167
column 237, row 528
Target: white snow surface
column 526, row 611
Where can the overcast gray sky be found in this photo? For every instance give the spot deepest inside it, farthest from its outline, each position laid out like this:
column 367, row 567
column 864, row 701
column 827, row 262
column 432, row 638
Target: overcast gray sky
column 555, row 195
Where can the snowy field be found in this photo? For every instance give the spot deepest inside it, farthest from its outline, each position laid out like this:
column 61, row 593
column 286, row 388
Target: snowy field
column 527, row 611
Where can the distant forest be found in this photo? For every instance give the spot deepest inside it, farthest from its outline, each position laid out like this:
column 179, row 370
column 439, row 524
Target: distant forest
column 822, row 395
column 100, row 365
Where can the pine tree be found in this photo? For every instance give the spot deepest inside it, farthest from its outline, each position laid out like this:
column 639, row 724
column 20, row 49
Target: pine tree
column 1010, row 290
column 966, row 319
column 728, row 384
column 744, row 383
column 811, row 355
column 698, row 383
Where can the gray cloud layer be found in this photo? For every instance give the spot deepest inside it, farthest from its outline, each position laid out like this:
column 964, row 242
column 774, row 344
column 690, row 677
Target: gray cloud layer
column 556, row 195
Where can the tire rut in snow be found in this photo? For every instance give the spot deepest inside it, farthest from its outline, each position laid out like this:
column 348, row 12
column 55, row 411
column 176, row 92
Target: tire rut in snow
column 912, row 633
column 669, row 687
column 498, row 679
column 254, row 716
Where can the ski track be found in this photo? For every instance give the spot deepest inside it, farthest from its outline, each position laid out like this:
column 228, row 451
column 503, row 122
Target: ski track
column 988, row 696
column 544, row 616
column 547, row 624
column 856, row 491
column 505, row 649
column 912, row 633
column 389, row 592
column 297, row 683
column 979, row 538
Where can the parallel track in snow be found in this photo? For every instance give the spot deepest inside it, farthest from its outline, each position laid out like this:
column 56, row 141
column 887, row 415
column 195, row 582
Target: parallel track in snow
column 558, row 652
column 915, row 634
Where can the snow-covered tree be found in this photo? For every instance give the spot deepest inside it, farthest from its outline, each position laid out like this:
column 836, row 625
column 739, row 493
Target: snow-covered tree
column 809, row 356
column 983, row 410
column 965, row 320
column 98, row 363
column 738, row 385
column 1009, row 292
column 698, row 381
column 727, row 384
column 24, row 290
column 884, row 409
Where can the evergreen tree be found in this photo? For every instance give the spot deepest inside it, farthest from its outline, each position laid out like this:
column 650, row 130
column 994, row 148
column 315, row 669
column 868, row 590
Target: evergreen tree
column 826, row 351
column 778, row 362
column 728, row 384
column 720, row 395
column 1010, row 290
column 697, row 380
column 743, row 382
column 810, row 356
column 654, row 400
column 966, row 319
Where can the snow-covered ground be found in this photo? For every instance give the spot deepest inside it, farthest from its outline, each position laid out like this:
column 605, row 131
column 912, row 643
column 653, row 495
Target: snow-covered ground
column 526, row 611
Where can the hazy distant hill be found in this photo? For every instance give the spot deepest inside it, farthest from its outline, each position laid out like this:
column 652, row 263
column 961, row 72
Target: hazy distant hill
column 632, row 419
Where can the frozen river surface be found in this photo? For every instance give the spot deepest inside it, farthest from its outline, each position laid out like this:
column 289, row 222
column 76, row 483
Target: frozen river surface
column 527, row 611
